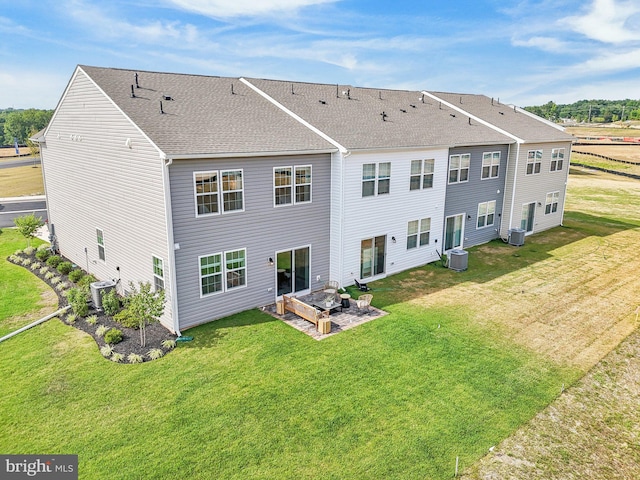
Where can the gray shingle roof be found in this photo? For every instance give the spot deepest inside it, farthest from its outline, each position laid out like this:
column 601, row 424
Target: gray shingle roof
column 523, row 125
column 204, row 117
column 353, row 116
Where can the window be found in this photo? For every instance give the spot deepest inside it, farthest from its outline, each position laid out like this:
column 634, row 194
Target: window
column 421, row 174
column 418, row 232
column 534, row 161
column 232, row 191
column 100, row 240
column 303, row 184
column 557, row 159
column 213, row 270
column 283, row 185
column 158, row 273
column 236, row 268
column 210, row 274
column 551, row 203
column 376, row 178
column 459, row 168
column 486, row 214
column 490, row 164
column 206, row 185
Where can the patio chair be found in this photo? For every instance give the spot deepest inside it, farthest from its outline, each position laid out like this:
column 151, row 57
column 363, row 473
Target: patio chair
column 330, row 290
column 364, row 301
column 362, row 286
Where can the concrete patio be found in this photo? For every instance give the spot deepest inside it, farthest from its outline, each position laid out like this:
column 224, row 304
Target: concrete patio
column 340, row 320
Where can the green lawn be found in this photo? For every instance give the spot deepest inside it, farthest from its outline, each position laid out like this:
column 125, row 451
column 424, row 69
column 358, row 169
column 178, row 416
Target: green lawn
column 399, row 397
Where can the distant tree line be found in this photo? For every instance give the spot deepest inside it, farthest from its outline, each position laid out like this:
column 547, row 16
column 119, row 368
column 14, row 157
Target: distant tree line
column 595, row 111
column 21, row 124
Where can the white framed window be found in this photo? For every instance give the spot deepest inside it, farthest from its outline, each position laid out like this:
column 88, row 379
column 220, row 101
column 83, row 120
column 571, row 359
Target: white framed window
column 376, row 179
column 551, row 203
column 486, row 214
column 421, row 174
column 303, row 184
column 236, row 268
column 100, row 241
column 283, row 185
column 557, row 159
column 232, row 191
column 534, row 162
column 206, row 192
column 418, row 233
column 158, row 273
column 490, row 165
column 210, row 274
column 459, row 168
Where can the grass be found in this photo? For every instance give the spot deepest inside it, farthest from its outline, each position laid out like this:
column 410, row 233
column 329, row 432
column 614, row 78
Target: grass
column 22, row 295
column 442, row 376
column 20, row 181
column 591, row 161
column 603, row 131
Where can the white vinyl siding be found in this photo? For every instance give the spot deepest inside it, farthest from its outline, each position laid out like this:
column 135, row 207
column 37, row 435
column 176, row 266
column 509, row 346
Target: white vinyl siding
column 490, row 165
column 459, row 168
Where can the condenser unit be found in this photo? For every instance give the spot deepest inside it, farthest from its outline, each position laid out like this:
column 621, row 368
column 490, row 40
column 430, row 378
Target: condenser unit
column 98, row 289
column 516, row 236
column 458, row 260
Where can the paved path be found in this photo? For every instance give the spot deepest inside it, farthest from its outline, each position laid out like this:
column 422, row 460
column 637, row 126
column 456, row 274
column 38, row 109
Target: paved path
column 19, row 162
column 13, row 207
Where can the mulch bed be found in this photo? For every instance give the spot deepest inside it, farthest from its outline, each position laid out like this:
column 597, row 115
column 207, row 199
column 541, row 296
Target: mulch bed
column 155, row 332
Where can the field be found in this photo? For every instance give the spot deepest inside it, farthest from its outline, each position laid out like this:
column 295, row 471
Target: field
column 593, row 131
column 462, row 361
column 20, row 181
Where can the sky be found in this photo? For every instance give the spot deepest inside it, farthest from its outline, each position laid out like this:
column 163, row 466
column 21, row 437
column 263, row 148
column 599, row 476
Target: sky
column 524, row 52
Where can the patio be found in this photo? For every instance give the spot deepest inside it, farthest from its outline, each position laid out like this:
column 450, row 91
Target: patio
column 340, row 320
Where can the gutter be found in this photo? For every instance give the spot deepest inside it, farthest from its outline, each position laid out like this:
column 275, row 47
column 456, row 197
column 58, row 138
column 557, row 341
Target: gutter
column 171, row 250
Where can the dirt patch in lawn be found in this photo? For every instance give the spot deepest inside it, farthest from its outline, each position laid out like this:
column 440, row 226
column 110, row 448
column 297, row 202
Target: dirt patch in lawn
column 591, row 431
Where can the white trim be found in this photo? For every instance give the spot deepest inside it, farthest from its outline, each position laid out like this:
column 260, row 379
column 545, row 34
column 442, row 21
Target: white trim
column 293, row 115
column 222, row 279
column 306, row 291
column 459, row 169
column 490, row 177
column 486, row 215
column 222, row 191
column 196, row 194
column 210, row 156
column 153, row 269
column 444, row 237
column 168, row 216
column 104, row 249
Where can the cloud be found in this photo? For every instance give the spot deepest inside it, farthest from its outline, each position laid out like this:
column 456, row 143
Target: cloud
column 547, row 44
column 608, row 21
column 239, row 8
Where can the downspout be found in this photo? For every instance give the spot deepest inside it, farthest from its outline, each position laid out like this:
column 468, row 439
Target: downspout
column 37, row 322
column 566, row 185
column 166, row 188
column 513, row 192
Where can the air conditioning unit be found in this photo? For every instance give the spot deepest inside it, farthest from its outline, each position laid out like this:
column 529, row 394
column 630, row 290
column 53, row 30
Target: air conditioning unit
column 458, row 260
column 98, row 289
column 516, row 236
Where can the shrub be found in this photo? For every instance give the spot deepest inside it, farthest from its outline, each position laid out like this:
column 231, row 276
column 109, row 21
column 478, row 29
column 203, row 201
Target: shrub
column 54, row 260
column 44, row 270
column 106, row 350
column 65, row 267
column 126, row 318
column 101, row 330
column 49, row 275
column 14, row 258
column 113, row 336
column 29, row 250
column 169, row 343
column 43, row 246
column 61, row 286
column 26, row 262
column 155, row 353
column 42, row 255
column 35, row 266
column 55, row 280
column 87, row 280
column 18, row 252
column 71, row 318
column 135, row 358
column 91, row 319
column 117, row 357
column 111, row 302
column 76, row 275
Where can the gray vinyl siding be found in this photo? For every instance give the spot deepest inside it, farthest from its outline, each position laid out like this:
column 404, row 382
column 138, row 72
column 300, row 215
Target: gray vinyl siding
column 261, row 229
column 463, row 198
column 534, row 188
column 94, row 180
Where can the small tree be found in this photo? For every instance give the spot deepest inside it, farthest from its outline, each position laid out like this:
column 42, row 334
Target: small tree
column 27, row 226
column 146, row 305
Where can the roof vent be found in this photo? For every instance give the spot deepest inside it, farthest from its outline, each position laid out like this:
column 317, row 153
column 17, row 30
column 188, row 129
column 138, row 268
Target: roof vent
column 137, row 86
column 133, row 95
column 161, row 110
column 292, row 92
column 167, row 97
column 347, row 93
column 501, row 113
column 403, row 110
column 232, row 92
column 412, row 105
column 384, row 116
column 322, row 102
column 452, row 115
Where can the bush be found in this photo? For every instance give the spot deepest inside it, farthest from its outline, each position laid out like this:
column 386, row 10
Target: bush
column 111, row 302
column 113, row 336
column 126, row 318
column 135, row 358
column 77, row 298
column 169, row 343
column 65, row 267
column 42, row 255
column 155, row 353
column 29, row 250
column 106, row 350
column 76, row 275
column 54, row 261
column 101, row 330
column 117, row 357
column 91, row 319
column 71, row 318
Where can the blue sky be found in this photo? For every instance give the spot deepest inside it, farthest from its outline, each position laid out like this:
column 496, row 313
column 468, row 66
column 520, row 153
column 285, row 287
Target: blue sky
column 524, row 52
